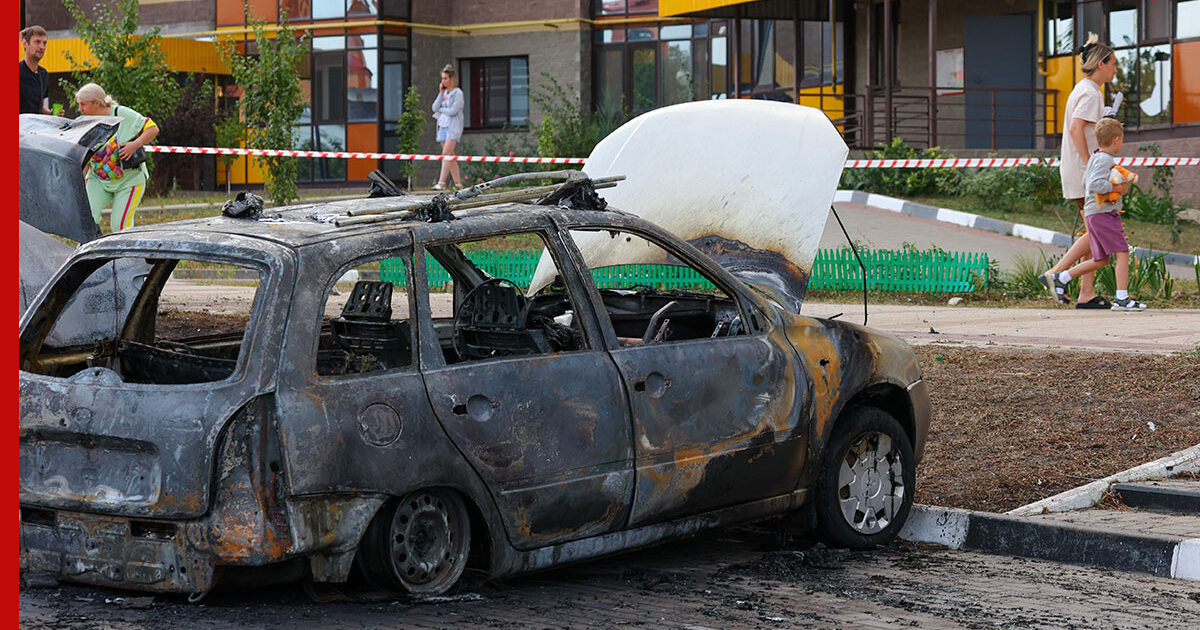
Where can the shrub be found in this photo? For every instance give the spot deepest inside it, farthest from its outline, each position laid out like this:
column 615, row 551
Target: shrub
column 512, row 143
column 408, row 130
column 903, row 181
column 1154, row 204
column 1148, row 277
column 1024, row 279
column 1037, row 185
column 566, row 130
column 131, row 67
column 271, row 101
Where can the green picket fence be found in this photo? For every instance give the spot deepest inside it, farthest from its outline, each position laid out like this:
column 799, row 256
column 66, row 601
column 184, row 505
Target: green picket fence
column 905, row 270
column 518, row 265
column 910, row 271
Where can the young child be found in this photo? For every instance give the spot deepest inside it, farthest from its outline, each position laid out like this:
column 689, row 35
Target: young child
column 1103, row 219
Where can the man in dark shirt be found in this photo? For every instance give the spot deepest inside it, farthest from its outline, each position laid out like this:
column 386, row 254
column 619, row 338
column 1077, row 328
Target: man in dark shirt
column 35, row 81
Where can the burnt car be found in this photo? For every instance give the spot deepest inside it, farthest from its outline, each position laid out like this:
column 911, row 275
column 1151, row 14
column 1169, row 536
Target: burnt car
column 396, row 388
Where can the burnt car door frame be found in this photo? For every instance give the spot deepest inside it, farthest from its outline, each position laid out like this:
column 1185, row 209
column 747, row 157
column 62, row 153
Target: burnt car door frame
column 701, row 441
column 192, row 416
column 549, row 434
column 357, row 433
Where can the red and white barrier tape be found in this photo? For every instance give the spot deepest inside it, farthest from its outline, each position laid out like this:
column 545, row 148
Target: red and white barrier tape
column 364, row 156
column 924, row 163
column 1002, row 162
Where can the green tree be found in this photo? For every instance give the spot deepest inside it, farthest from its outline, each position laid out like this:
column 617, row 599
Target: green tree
column 566, row 130
column 270, row 101
column 230, row 132
column 131, row 68
column 409, row 128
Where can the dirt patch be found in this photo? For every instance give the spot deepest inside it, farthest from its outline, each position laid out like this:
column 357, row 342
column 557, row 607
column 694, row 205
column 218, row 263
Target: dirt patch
column 1014, row 426
column 176, row 324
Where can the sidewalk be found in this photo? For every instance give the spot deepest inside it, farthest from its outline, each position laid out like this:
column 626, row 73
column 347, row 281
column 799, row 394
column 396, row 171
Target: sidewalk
column 1148, row 526
column 1157, row 331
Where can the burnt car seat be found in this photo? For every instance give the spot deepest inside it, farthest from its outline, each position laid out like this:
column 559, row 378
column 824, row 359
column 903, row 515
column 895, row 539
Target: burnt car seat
column 492, row 322
column 366, row 325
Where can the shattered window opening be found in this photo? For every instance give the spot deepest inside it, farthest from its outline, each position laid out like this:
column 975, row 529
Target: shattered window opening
column 154, row 321
column 491, row 316
column 652, row 296
column 365, row 323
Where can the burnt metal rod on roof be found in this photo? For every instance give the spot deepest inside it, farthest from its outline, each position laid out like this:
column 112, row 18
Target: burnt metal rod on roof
column 407, row 204
column 522, row 195
column 477, row 189
column 451, row 203
column 456, row 202
column 525, row 194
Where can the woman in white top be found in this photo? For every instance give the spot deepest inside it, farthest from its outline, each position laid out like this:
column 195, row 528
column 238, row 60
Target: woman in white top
column 448, row 110
column 1085, row 106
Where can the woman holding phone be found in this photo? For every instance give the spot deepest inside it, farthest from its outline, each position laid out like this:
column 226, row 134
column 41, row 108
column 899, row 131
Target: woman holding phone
column 448, row 110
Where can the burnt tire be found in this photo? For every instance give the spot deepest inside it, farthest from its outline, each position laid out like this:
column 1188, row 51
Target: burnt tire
column 418, row 544
column 865, row 486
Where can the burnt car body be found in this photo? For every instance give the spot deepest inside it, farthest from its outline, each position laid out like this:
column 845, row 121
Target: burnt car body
column 517, row 431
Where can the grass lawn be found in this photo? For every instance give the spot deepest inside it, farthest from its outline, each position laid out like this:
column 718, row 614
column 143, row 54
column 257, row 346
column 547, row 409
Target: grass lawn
column 1059, row 219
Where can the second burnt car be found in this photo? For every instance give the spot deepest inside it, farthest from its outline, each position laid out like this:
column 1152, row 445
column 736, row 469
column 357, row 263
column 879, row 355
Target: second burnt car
column 366, row 396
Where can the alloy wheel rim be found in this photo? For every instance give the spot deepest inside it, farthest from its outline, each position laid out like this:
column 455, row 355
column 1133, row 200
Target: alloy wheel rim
column 870, row 486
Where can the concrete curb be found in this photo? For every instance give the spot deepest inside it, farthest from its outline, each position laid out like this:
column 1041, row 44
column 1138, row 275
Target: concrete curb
column 1163, row 556
column 1187, row 460
column 975, row 221
column 1151, row 496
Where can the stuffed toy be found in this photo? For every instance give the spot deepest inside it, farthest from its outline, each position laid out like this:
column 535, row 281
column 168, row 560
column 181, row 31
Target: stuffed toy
column 1118, row 175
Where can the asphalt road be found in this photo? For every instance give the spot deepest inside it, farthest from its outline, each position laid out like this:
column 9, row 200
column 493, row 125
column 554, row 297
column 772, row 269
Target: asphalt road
column 732, row 579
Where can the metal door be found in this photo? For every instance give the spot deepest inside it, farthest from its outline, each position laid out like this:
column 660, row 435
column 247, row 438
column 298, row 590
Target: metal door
column 548, row 434
column 716, row 422
column 999, row 54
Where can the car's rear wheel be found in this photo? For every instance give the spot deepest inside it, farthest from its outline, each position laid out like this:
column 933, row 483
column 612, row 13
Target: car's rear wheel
column 418, row 544
column 865, row 486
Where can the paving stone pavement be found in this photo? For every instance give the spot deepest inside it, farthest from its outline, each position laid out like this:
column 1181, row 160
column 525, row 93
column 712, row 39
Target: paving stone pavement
column 1180, row 526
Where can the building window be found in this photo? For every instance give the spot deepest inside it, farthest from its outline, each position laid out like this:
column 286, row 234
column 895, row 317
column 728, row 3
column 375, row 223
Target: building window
column 1187, row 19
column 362, row 78
column 328, row 9
column 497, row 92
column 818, row 66
column 332, row 9
column 329, row 78
column 1090, row 19
column 623, row 7
column 643, row 67
column 1059, row 29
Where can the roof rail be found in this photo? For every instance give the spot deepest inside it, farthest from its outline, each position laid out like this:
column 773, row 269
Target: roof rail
column 442, row 207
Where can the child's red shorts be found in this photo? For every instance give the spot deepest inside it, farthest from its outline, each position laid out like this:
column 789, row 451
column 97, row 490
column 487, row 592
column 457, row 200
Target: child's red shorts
column 1108, row 235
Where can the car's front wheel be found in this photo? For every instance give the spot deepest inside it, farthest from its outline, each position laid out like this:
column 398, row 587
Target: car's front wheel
column 418, row 544
column 865, row 486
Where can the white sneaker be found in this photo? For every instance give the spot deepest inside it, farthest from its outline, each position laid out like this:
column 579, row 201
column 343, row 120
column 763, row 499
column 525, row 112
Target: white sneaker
column 1128, row 304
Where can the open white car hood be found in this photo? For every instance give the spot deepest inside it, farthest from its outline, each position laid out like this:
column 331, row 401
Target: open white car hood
column 747, row 182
